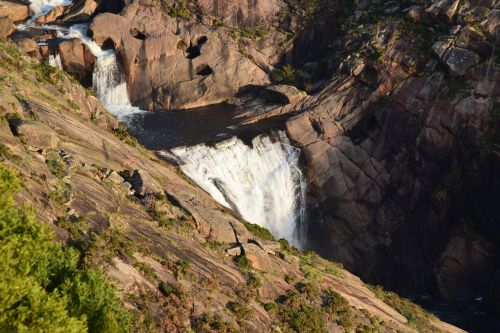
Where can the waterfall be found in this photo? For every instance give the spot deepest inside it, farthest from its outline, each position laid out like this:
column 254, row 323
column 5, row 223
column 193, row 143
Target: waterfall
column 262, row 183
column 108, row 81
column 55, row 60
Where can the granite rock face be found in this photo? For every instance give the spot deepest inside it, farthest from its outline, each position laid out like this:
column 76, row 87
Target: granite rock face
column 398, row 150
column 173, row 64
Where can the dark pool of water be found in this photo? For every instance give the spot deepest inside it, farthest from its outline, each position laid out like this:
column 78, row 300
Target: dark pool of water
column 472, row 318
column 169, row 129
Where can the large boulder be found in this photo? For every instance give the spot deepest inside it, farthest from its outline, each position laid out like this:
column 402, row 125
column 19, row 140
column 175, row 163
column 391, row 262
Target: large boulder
column 6, row 27
column 144, row 184
column 36, row 134
column 444, row 9
column 80, row 11
column 27, row 45
column 51, row 16
column 77, row 59
column 258, row 258
column 173, row 64
column 15, row 10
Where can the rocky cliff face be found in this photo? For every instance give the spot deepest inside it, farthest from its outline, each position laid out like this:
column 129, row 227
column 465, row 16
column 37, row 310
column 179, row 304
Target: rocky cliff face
column 401, row 144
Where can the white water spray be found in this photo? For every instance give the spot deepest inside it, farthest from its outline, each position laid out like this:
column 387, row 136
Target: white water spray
column 263, row 184
column 55, row 61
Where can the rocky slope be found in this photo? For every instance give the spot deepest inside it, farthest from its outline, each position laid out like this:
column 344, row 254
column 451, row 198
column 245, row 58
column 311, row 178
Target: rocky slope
column 179, row 260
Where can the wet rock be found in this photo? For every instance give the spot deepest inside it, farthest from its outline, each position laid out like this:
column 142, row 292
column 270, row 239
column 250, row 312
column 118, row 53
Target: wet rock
column 80, row 11
column 6, row 27
column 16, row 11
column 51, row 16
column 77, row 59
column 36, row 134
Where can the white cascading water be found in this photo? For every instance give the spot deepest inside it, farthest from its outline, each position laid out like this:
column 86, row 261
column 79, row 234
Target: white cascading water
column 55, row 61
column 263, row 183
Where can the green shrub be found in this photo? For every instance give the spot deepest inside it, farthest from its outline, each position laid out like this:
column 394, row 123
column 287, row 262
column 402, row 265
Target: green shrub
column 181, row 268
column 417, row 317
column 285, row 245
column 243, row 263
column 259, row 231
column 56, row 167
column 122, row 134
column 253, row 281
column 168, row 289
column 212, row 323
column 5, row 152
column 337, row 306
column 296, row 314
column 42, row 287
column 240, row 310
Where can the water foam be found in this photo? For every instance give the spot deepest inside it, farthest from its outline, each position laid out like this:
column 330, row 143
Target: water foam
column 262, row 183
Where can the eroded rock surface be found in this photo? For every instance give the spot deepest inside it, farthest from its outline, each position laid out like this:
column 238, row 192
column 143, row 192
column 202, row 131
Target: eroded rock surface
column 172, row 64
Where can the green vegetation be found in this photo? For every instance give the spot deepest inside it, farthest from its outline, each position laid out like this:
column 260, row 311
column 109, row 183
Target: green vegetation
column 450, row 182
column 122, row 134
column 168, row 289
column 259, row 231
column 43, row 288
column 288, row 75
column 56, row 167
column 239, row 309
column 212, row 323
column 255, row 32
column 336, row 305
column 181, row 268
column 298, row 316
column 253, row 281
column 243, row 263
column 72, row 104
column 5, row 152
column 180, row 9
column 417, row 317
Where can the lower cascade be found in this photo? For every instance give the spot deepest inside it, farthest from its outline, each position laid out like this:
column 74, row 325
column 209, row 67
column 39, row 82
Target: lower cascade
column 263, row 183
